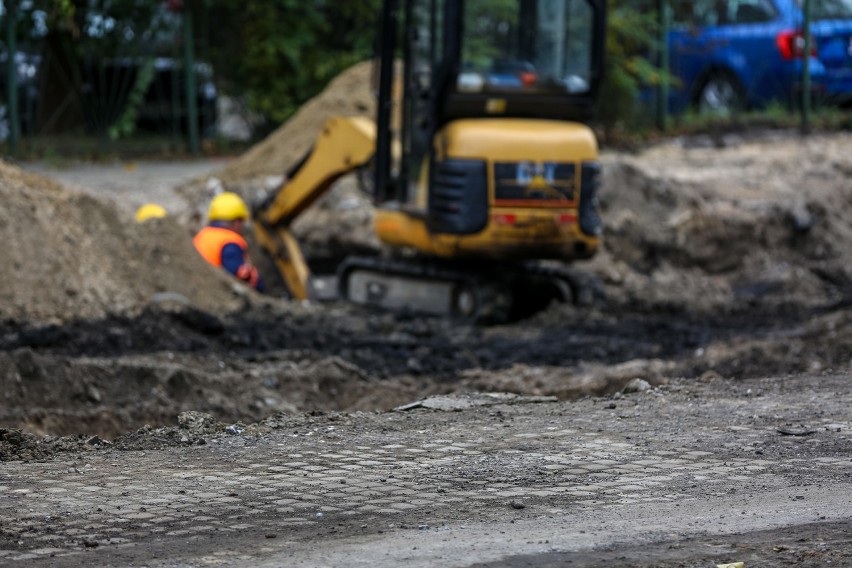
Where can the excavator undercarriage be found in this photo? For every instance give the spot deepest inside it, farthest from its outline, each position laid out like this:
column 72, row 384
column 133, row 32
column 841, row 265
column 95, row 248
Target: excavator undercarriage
column 483, row 292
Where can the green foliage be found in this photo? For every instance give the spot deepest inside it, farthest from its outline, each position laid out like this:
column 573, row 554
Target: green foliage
column 59, row 13
column 288, row 49
column 125, row 125
column 106, row 27
column 631, row 38
column 775, row 115
column 488, row 32
column 92, row 54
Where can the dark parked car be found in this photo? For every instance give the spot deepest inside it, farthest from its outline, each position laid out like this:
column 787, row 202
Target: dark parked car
column 747, row 53
column 163, row 108
column 26, row 69
column 105, row 93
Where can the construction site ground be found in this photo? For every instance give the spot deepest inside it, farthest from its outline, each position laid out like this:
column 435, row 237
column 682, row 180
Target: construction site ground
column 696, row 473
column 694, row 411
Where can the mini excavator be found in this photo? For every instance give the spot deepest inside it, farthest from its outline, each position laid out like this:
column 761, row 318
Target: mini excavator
column 482, row 169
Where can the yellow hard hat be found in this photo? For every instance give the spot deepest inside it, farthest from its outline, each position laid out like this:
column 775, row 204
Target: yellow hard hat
column 150, row 211
column 227, row 206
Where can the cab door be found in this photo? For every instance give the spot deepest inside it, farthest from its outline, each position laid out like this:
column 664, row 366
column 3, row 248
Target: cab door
column 411, row 52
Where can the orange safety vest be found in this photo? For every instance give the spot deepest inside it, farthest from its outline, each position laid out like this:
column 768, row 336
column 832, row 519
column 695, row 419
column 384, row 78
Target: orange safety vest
column 211, row 240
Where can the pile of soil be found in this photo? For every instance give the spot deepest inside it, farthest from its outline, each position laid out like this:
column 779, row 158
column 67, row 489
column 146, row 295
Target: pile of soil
column 70, row 256
column 731, row 224
column 349, row 94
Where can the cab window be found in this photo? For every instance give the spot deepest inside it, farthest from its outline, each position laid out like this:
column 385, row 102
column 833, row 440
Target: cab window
column 540, row 46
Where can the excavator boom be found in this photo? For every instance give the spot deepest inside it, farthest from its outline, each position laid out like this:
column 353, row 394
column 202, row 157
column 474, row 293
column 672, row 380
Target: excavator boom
column 344, row 144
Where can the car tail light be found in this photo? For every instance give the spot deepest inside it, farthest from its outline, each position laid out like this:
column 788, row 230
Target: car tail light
column 791, row 44
column 528, row 78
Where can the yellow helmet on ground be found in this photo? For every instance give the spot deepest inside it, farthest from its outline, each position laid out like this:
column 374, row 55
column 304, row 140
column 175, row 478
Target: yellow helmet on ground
column 227, row 206
column 150, row 211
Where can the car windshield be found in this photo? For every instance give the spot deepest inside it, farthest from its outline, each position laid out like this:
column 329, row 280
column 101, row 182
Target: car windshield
column 830, row 9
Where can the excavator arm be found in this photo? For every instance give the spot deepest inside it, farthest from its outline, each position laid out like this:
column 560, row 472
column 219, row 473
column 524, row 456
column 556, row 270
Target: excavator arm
column 344, row 144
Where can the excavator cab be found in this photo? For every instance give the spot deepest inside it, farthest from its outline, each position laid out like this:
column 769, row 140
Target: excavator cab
column 489, row 62
column 483, row 165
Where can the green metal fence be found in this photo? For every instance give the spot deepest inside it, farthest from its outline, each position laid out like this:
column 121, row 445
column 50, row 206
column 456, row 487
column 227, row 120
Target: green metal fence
column 108, row 77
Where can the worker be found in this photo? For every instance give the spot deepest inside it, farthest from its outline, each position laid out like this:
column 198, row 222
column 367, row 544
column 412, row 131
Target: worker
column 150, row 211
column 221, row 242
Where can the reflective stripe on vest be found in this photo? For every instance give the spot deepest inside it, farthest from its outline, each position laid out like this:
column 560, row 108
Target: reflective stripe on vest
column 211, row 240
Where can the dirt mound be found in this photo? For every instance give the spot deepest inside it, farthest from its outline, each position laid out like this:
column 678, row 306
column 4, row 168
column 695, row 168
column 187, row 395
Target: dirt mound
column 70, row 256
column 350, row 94
column 709, row 227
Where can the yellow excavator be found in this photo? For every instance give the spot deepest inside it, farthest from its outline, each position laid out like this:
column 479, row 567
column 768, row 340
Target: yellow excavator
column 481, row 164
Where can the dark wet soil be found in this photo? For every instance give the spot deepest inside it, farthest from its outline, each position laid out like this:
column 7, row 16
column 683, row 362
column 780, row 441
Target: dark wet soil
column 387, row 343
column 110, row 377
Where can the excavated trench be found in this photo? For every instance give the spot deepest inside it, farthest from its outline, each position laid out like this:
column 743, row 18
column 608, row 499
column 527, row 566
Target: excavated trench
column 112, row 376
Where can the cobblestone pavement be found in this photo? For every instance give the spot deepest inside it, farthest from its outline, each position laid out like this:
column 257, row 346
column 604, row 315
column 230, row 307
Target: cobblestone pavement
column 450, row 482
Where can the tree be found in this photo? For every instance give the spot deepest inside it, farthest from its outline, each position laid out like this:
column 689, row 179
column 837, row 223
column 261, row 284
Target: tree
column 631, row 38
column 279, row 53
column 91, row 52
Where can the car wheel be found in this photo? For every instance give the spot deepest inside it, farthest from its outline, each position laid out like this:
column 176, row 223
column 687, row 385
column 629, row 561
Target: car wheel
column 720, row 95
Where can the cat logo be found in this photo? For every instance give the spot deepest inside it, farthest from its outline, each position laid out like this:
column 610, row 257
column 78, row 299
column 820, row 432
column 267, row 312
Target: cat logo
column 540, row 181
column 536, row 175
column 537, row 181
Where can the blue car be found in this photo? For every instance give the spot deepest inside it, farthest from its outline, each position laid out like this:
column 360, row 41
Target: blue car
column 512, row 74
column 735, row 54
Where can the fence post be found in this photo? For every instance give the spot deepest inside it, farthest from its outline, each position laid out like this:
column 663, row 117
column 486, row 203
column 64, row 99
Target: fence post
column 12, row 76
column 806, row 68
column 663, row 88
column 191, row 87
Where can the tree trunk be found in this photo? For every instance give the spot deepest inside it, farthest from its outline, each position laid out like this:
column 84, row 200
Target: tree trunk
column 60, row 108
